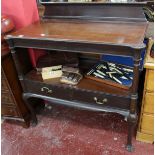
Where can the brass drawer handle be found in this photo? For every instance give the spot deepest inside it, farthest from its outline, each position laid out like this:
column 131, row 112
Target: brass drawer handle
column 45, row 89
column 100, row 102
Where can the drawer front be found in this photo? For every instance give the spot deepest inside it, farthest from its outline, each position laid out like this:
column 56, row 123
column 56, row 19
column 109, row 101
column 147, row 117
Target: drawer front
column 2, row 74
column 9, row 111
column 149, row 103
column 100, row 99
column 6, row 98
column 150, row 80
column 147, row 124
column 48, row 90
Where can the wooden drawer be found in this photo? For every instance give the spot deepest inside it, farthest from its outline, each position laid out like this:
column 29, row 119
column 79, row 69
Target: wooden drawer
column 9, row 111
column 78, row 95
column 101, row 99
column 6, row 98
column 4, row 85
column 49, row 90
column 148, row 105
column 150, row 80
column 147, row 124
column 2, row 74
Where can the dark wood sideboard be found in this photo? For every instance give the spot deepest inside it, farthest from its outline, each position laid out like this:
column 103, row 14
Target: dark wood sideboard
column 12, row 104
column 94, row 28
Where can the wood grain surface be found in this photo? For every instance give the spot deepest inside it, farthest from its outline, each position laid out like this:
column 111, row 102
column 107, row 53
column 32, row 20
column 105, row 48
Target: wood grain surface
column 122, row 33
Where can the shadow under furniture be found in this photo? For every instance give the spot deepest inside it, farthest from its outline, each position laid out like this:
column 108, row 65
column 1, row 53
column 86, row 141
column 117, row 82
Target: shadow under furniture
column 95, row 28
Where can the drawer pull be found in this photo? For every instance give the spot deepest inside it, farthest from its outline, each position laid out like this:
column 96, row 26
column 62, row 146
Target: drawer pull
column 45, row 89
column 100, row 102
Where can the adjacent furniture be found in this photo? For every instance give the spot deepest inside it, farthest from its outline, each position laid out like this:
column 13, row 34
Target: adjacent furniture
column 94, row 28
column 40, row 10
column 12, row 104
column 146, row 122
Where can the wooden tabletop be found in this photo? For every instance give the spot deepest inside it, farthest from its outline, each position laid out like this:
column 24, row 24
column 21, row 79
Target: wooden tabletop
column 121, row 33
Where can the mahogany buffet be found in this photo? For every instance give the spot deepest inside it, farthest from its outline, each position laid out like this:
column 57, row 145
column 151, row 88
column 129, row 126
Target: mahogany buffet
column 94, row 28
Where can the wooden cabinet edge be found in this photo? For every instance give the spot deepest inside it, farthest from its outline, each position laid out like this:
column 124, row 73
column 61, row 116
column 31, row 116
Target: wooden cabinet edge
column 141, row 135
column 22, row 116
column 148, row 138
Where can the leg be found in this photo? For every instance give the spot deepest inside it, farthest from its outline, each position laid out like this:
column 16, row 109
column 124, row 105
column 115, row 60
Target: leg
column 33, row 114
column 132, row 120
column 26, row 125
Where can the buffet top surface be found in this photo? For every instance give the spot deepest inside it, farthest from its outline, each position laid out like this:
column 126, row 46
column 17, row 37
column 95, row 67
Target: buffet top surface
column 85, row 31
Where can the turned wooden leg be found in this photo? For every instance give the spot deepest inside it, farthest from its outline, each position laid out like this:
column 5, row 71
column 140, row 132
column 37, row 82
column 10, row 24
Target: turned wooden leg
column 32, row 111
column 132, row 120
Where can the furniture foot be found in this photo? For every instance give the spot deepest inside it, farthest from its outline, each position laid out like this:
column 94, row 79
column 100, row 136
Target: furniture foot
column 34, row 123
column 130, row 148
column 33, row 114
column 132, row 119
column 26, row 125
